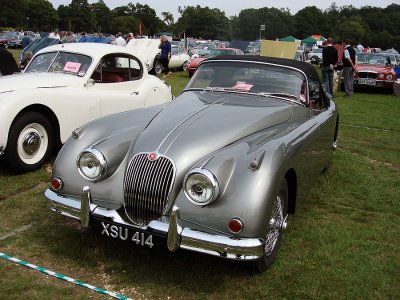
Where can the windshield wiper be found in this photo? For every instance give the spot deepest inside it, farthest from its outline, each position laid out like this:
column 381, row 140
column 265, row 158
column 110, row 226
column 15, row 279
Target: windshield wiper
column 277, row 94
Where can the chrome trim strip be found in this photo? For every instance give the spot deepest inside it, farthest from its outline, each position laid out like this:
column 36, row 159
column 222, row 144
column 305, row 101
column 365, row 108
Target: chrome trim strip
column 177, row 236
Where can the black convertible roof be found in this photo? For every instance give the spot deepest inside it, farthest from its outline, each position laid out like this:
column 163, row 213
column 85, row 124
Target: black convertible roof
column 307, row 68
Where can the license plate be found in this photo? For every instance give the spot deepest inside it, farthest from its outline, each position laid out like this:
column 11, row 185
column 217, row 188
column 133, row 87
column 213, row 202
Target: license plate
column 125, row 234
column 366, row 81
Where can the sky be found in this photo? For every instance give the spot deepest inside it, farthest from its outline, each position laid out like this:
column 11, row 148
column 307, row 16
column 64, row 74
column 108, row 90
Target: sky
column 233, row 7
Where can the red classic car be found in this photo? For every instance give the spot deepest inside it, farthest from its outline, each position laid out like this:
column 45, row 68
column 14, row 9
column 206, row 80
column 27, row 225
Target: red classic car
column 194, row 63
column 375, row 70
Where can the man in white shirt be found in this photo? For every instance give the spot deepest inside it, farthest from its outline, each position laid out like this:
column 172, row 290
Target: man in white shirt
column 120, row 41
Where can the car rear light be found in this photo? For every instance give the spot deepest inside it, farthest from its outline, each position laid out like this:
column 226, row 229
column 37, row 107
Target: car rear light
column 57, row 184
column 235, row 225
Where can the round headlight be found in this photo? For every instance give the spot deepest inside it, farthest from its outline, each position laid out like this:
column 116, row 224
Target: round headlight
column 389, row 77
column 201, row 186
column 92, row 164
column 381, row 76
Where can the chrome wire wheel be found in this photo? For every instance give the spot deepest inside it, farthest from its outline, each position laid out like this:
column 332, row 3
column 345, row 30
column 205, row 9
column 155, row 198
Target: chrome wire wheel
column 276, row 224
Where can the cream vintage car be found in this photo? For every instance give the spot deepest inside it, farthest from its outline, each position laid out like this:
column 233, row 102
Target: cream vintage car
column 64, row 87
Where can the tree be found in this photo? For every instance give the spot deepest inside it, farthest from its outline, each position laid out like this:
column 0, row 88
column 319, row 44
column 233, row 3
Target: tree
column 103, row 16
column 151, row 24
column 42, row 15
column 12, row 13
column 124, row 24
column 352, row 28
column 168, row 18
column 310, row 20
column 81, row 16
column 204, row 22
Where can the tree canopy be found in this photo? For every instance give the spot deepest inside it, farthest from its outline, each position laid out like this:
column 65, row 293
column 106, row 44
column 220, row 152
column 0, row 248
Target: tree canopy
column 372, row 26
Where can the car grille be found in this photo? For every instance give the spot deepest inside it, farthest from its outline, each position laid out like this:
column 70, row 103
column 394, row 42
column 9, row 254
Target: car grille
column 147, row 184
column 368, row 75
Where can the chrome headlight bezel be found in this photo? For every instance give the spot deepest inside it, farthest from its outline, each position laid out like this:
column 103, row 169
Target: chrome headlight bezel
column 206, row 180
column 99, row 161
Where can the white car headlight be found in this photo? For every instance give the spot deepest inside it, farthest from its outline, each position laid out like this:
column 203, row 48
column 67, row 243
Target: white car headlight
column 92, row 164
column 201, row 186
column 389, row 77
column 381, row 76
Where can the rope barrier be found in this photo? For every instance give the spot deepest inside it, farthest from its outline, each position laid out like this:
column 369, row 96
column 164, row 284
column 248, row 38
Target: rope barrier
column 62, row 277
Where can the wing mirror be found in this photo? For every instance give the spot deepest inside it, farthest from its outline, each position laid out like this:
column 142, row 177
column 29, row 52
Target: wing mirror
column 89, row 83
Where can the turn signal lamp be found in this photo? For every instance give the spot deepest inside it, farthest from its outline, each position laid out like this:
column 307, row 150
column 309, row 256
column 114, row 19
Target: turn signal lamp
column 235, row 225
column 57, row 184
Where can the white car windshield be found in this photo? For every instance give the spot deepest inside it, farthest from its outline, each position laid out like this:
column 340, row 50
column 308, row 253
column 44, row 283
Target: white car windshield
column 60, row 62
column 254, row 78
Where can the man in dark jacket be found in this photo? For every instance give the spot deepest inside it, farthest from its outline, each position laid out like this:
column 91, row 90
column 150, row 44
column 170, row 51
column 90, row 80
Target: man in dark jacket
column 329, row 61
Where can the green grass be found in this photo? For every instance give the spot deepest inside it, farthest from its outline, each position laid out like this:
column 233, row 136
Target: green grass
column 342, row 243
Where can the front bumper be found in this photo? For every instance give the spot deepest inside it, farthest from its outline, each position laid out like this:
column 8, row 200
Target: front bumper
column 177, row 236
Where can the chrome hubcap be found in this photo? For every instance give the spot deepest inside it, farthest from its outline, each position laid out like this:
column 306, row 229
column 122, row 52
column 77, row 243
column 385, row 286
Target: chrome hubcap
column 31, row 143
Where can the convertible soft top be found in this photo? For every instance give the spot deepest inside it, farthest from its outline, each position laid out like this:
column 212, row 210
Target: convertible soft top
column 307, row 68
column 8, row 65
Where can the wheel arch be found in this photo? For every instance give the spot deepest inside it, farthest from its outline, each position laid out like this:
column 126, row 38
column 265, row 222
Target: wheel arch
column 49, row 114
column 291, row 179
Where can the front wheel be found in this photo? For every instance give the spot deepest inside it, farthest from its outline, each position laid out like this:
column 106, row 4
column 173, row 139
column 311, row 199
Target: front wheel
column 30, row 142
column 277, row 223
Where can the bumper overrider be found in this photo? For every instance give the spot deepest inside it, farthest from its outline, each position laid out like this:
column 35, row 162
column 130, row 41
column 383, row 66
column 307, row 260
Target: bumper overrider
column 177, row 236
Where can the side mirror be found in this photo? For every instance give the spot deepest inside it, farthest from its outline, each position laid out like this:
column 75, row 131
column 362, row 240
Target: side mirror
column 89, row 83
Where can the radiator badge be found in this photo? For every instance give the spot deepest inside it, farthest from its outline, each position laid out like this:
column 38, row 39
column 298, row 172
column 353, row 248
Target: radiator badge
column 152, row 156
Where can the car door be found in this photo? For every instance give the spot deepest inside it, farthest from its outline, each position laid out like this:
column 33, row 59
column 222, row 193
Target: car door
column 116, row 81
column 177, row 58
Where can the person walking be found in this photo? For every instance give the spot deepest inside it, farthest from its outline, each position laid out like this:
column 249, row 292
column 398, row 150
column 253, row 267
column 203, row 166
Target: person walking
column 329, row 61
column 120, row 41
column 165, row 55
column 349, row 67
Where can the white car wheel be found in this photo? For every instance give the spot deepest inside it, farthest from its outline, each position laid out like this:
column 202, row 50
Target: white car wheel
column 30, row 142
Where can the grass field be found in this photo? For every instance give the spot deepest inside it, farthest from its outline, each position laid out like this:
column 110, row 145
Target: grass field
column 342, row 243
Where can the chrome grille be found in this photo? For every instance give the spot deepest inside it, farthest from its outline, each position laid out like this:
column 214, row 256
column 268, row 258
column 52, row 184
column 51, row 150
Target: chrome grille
column 147, row 184
column 368, row 75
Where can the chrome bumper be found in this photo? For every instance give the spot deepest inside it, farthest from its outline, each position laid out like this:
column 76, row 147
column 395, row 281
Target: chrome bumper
column 177, row 236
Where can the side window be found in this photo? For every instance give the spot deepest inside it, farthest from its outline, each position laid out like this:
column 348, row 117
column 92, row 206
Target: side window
column 318, row 99
column 117, row 68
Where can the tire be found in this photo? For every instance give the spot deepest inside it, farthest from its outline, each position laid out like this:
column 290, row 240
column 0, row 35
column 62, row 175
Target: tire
column 157, row 67
column 30, row 142
column 275, row 227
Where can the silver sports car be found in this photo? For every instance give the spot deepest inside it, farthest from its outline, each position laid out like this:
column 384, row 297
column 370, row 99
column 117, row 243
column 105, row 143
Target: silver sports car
column 215, row 171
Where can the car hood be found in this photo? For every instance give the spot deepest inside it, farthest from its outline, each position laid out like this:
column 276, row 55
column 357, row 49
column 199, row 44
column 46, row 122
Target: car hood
column 373, row 68
column 199, row 123
column 195, row 61
column 35, row 80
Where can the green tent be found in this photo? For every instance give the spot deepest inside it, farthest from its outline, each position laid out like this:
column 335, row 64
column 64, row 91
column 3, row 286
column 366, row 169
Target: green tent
column 309, row 40
column 288, row 39
column 313, row 40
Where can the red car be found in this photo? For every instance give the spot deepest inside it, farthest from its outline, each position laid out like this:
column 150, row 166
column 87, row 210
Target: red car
column 194, row 63
column 375, row 70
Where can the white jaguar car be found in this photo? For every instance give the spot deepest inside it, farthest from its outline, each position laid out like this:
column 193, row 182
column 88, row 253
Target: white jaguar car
column 64, row 87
